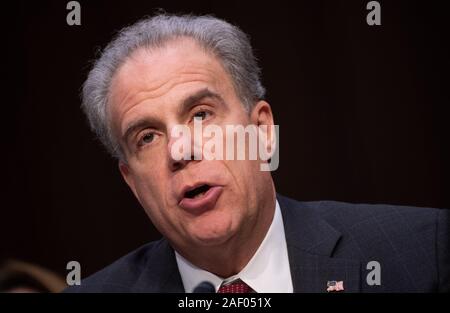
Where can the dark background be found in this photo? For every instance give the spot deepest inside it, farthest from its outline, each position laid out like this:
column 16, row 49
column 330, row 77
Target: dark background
column 363, row 115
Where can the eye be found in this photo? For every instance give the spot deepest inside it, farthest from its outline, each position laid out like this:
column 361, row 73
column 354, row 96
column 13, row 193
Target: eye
column 202, row 115
column 146, row 138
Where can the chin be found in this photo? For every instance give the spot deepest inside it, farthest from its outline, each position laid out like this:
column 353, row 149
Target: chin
column 212, row 232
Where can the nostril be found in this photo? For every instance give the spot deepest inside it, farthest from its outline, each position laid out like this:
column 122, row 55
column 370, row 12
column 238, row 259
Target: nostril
column 179, row 163
column 176, row 165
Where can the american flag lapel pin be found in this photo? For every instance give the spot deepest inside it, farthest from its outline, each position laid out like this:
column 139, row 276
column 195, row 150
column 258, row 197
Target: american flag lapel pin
column 333, row 285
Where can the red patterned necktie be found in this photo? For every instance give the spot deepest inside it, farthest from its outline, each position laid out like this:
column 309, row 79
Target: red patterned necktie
column 237, row 286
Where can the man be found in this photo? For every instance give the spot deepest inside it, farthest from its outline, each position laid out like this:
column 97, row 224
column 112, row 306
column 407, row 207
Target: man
column 221, row 219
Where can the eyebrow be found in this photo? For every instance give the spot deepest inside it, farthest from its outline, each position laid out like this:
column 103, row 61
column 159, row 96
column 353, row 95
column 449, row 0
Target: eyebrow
column 200, row 95
column 185, row 106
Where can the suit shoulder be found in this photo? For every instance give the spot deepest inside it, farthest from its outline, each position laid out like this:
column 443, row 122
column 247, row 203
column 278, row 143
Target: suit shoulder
column 397, row 216
column 372, row 231
column 378, row 225
column 120, row 275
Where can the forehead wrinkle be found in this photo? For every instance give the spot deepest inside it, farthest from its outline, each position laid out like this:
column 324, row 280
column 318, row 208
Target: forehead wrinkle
column 133, row 98
column 156, row 92
column 133, row 106
column 205, row 68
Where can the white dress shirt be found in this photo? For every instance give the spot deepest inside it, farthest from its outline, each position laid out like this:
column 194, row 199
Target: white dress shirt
column 267, row 271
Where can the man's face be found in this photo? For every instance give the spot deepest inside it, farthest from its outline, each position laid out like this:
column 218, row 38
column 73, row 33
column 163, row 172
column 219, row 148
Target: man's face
column 151, row 93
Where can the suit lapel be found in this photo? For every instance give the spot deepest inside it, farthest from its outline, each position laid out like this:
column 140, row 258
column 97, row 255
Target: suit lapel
column 161, row 272
column 311, row 242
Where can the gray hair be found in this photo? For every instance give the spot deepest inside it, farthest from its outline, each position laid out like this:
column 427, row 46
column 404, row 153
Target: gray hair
column 225, row 41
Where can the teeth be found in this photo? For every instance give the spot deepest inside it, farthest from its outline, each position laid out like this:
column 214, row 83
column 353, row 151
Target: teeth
column 198, row 192
column 199, row 195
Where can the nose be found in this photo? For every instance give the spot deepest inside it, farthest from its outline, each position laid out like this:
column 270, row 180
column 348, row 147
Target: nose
column 182, row 148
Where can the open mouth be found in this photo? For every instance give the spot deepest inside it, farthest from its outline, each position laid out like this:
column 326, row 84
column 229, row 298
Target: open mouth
column 197, row 192
column 201, row 198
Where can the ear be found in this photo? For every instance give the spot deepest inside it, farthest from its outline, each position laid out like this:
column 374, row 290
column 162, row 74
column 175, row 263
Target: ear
column 261, row 115
column 127, row 176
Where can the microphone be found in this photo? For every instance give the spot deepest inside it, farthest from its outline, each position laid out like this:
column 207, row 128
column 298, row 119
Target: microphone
column 205, row 287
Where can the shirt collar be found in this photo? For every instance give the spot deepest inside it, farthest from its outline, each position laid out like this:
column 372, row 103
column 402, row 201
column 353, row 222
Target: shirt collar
column 267, row 271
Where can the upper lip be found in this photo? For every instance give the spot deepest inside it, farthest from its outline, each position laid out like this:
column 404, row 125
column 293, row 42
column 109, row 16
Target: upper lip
column 188, row 188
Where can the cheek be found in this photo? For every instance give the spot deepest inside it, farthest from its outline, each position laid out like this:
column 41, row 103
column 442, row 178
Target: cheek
column 242, row 174
column 251, row 178
column 150, row 185
column 153, row 198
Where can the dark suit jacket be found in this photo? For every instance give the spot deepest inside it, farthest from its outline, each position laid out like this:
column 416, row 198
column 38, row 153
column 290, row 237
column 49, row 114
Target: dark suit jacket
column 326, row 241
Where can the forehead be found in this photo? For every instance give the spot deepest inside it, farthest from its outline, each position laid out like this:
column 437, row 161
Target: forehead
column 154, row 75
